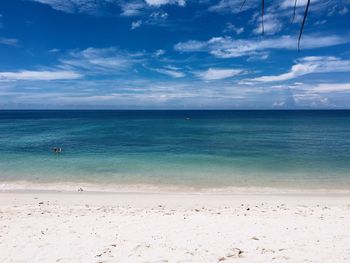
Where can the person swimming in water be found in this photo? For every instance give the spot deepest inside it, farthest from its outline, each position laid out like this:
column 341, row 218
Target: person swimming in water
column 57, row 149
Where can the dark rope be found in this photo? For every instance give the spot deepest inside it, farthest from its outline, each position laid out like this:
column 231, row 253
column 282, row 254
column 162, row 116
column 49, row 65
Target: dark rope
column 242, row 5
column 295, row 7
column 302, row 25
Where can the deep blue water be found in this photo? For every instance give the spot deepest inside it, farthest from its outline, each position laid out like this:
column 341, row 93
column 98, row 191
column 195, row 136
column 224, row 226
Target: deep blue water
column 184, row 148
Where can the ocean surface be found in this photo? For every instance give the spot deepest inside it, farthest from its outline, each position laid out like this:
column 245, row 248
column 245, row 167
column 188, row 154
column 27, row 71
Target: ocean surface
column 194, row 149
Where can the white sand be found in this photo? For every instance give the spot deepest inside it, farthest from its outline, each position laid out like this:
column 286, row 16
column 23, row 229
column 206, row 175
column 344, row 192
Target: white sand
column 100, row 227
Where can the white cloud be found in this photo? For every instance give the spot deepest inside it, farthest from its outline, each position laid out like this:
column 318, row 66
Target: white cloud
column 157, row 16
column 103, row 7
column 310, row 65
column 331, row 88
column 319, row 7
column 329, row 95
column 234, row 6
column 278, row 104
column 191, row 46
column 227, row 47
column 320, row 22
column 272, row 24
column 102, row 60
column 232, row 28
column 300, row 3
column 165, row 2
column 259, row 56
column 305, row 89
column 131, row 8
column 75, row 6
column 136, row 24
column 218, row 73
column 39, row 75
column 8, row 41
column 170, row 71
column 54, row 50
column 277, row 14
column 96, row 7
column 159, row 52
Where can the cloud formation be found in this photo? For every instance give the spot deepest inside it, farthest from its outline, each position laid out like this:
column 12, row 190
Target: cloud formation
column 218, row 73
column 172, row 72
column 136, row 24
column 39, row 75
column 92, row 7
column 165, row 2
column 99, row 60
column 8, row 41
column 104, row 7
column 233, row 6
column 330, row 88
column 308, row 65
column 227, row 47
column 131, row 8
column 232, row 28
column 272, row 24
column 122, row 60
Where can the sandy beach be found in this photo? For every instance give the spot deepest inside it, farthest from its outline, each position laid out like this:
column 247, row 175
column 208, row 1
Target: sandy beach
column 173, row 227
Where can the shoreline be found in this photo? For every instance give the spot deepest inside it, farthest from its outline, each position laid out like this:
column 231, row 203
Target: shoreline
column 71, row 187
column 181, row 199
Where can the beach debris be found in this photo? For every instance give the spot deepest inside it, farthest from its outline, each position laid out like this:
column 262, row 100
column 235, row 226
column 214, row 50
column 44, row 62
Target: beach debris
column 255, row 238
column 80, row 190
column 234, row 253
column 41, row 203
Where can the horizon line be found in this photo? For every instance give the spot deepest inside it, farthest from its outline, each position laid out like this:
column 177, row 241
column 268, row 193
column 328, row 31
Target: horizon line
column 189, row 109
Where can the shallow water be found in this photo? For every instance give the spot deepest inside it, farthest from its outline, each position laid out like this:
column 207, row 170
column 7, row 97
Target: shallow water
column 177, row 148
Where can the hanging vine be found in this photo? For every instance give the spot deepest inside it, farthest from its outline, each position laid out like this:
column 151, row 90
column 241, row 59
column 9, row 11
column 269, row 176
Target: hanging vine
column 293, row 18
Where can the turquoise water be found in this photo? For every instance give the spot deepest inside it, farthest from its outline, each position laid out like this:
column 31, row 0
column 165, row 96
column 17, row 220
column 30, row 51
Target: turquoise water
column 177, row 148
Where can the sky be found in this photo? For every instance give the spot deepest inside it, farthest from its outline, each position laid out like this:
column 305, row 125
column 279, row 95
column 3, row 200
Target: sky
column 173, row 54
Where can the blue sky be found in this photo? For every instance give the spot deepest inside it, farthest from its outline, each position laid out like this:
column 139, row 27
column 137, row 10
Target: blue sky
column 173, row 54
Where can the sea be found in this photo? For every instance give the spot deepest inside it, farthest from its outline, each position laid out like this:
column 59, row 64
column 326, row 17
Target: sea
column 199, row 150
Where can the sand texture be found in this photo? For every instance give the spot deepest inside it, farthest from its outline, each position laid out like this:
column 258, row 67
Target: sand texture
column 99, row 227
